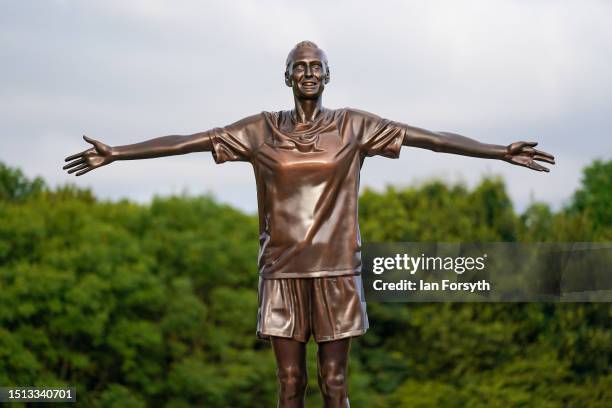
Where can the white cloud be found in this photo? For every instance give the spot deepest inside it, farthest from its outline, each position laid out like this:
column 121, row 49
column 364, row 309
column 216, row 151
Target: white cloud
column 125, row 71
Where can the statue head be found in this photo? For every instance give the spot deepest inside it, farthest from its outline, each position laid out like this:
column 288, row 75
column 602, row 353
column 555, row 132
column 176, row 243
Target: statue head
column 307, row 70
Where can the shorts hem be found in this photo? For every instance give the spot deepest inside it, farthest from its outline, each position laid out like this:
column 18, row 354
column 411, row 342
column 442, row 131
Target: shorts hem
column 266, row 334
column 322, row 339
column 310, row 274
column 338, row 336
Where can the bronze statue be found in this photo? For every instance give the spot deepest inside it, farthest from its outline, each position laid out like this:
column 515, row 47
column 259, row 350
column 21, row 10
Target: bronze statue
column 307, row 163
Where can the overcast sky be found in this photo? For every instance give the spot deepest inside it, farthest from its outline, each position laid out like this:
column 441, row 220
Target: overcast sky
column 124, row 71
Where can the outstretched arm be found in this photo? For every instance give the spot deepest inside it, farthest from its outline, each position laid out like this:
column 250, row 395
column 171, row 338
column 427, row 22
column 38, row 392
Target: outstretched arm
column 101, row 154
column 519, row 153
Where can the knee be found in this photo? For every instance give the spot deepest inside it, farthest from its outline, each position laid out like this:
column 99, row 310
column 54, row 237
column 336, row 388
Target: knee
column 293, row 381
column 332, row 379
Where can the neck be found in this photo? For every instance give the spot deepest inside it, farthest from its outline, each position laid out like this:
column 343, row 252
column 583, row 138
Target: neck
column 306, row 110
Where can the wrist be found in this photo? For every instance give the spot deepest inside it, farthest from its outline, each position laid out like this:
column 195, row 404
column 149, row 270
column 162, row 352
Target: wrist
column 504, row 153
column 115, row 154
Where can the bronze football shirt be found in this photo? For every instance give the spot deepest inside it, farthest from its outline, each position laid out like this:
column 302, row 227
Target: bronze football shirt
column 307, row 179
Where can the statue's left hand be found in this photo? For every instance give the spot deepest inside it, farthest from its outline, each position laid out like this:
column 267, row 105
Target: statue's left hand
column 97, row 156
column 524, row 154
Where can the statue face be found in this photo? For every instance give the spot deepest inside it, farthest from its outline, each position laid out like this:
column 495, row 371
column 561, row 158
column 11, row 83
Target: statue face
column 307, row 73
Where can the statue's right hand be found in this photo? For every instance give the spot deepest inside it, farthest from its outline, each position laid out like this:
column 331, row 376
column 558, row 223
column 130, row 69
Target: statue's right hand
column 97, row 156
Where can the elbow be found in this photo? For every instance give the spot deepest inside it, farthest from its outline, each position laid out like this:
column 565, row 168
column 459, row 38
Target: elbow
column 439, row 145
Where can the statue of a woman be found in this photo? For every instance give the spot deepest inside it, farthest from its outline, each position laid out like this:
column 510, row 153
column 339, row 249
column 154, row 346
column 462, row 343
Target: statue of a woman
column 307, row 163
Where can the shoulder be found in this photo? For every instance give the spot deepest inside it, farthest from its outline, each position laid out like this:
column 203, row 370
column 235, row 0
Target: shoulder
column 248, row 122
column 360, row 117
column 359, row 114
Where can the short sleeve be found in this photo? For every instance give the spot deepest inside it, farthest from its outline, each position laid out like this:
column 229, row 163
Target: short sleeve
column 377, row 136
column 238, row 141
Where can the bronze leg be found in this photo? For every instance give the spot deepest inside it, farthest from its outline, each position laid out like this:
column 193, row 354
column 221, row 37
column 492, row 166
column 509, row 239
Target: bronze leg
column 332, row 362
column 291, row 371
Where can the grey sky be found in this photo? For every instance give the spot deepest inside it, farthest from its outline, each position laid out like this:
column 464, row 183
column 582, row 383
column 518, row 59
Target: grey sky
column 124, row 71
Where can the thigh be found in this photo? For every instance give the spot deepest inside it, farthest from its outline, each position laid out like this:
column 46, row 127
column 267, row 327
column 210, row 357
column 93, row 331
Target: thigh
column 284, row 309
column 338, row 308
column 290, row 354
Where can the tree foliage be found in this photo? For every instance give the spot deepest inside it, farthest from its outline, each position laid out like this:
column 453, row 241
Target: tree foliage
column 15, row 186
column 155, row 305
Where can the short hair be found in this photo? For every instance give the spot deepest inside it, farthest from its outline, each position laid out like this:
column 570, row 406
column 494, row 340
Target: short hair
column 306, row 44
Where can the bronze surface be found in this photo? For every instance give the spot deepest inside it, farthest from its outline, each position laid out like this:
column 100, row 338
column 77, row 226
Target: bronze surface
column 307, row 164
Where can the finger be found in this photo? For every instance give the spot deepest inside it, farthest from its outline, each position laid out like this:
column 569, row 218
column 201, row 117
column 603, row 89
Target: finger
column 90, row 140
column 82, row 166
column 521, row 144
column 535, row 166
column 531, row 144
column 541, row 153
column 543, row 158
column 80, row 173
column 74, row 156
column 74, row 163
column 530, row 151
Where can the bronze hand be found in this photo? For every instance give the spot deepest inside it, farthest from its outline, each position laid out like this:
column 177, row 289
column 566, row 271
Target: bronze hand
column 102, row 154
column 524, row 154
column 99, row 155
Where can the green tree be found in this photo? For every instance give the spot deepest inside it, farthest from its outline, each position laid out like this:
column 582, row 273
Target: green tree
column 15, row 186
column 154, row 305
column 595, row 194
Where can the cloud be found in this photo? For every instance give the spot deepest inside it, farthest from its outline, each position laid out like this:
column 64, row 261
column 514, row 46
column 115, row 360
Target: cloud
column 125, row 71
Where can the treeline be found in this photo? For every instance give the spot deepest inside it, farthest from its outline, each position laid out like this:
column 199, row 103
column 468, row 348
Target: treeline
column 155, row 305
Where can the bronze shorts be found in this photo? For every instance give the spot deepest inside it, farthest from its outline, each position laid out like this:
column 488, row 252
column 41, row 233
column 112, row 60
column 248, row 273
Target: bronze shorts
column 329, row 308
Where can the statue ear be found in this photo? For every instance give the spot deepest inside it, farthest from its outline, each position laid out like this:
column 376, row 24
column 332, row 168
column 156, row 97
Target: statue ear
column 288, row 80
column 327, row 76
